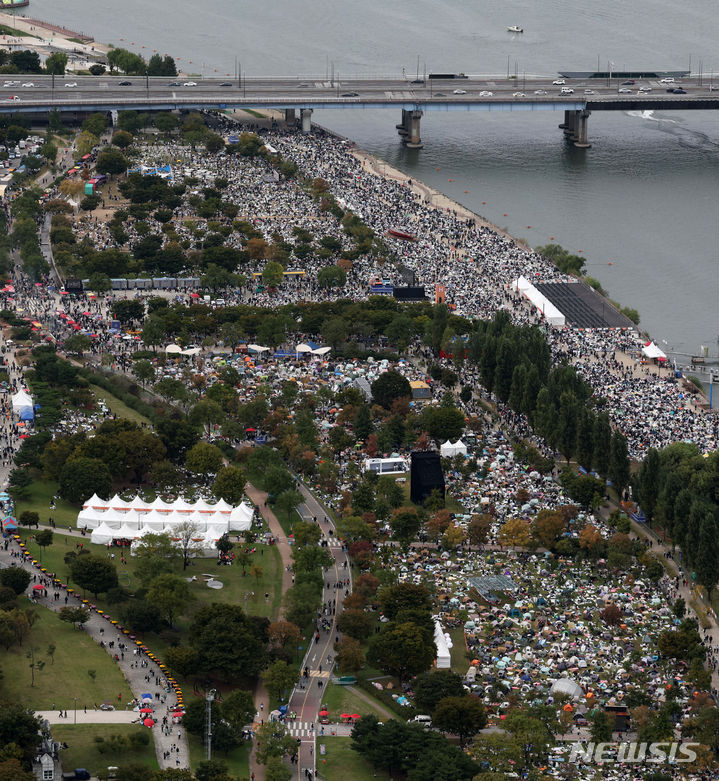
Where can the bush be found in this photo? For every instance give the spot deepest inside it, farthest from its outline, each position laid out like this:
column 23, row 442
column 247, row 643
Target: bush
column 90, row 202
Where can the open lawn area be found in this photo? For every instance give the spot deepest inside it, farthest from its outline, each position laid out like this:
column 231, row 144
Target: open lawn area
column 341, row 699
column 458, row 653
column 65, row 673
column 237, row 760
column 119, row 408
column 39, row 495
column 83, row 748
column 341, row 763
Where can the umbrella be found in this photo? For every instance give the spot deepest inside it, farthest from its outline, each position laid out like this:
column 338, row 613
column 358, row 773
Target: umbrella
column 145, row 710
column 345, row 716
column 38, row 587
column 355, row 716
column 149, row 722
column 324, row 713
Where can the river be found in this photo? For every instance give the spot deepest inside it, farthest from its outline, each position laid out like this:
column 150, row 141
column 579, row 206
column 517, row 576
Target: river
column 641, row 204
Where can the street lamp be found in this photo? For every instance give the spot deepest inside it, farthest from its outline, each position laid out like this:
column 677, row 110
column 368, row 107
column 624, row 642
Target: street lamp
column 75, row 711
column 209, row 697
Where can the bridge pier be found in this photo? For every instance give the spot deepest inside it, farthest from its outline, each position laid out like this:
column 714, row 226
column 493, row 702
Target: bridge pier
column 290, row 116
column 402, row 128
column 412, row 138
column 580, row 129
column 570, row 123
column 306, row 114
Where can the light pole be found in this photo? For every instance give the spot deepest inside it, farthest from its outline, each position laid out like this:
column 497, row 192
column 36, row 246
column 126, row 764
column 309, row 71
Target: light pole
column 74, row 720
column 209, row 697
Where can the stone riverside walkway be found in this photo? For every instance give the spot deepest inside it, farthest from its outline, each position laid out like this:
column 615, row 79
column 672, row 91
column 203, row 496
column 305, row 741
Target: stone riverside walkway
column 175, row 742
column 261, row 695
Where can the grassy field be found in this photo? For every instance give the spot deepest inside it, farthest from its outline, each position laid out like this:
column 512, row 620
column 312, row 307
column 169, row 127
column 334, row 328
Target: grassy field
column 341, row 763
column 82, row 750
column 41, row 492
column 64, row 675
column 237, row 761
column 119, row 408
column 458, row 653
column 339, row 699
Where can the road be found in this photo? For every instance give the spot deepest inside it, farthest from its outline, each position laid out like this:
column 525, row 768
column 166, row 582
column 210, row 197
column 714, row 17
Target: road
column 319, row 658
column 473, row 93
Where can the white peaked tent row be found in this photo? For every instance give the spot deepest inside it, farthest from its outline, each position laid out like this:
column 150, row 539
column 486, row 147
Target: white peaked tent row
column 118, row 519
column 448, row 450
column 551, row 314
column 443, row 643
column 21, row 401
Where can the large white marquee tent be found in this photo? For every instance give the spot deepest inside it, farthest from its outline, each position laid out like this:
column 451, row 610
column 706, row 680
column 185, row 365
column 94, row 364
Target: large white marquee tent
column 119, row 519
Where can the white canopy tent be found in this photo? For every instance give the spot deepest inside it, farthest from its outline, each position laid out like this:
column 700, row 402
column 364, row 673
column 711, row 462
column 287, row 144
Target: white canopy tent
column 449, row 450
column 550, row 312
column 650, row 350
column 240, row 519
column 444, row 660
column 102, row 535
column 21, row 401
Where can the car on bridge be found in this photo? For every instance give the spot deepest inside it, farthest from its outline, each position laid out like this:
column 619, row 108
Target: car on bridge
column 125, row 83
column 190, row 84
column 485, row 93
column 518, row 95
column 629, row 81
column 540, row 91
column 226, row 84
column 174, row 84
column 28, row 84
column 589, row 92
column 13, row 97
column 667, row 80
column 460, row 92
column 559, row 81
column 677, row 91
column 624, row 91
column 645, row 89
column 350, row 95
column 566, row 91
column 71, row 84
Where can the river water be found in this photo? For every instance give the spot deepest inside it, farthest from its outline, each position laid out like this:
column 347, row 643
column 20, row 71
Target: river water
column 641, row 204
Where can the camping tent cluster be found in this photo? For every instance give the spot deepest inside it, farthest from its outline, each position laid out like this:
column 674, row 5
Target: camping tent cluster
column 449, row 450
column 22, row 405
column 117, row 519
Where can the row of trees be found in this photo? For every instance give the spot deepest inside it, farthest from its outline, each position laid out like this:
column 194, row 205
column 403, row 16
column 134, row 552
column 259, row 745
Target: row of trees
column 678, row 489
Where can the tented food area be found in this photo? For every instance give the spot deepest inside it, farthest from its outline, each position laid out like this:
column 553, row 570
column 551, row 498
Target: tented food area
column 129, row 520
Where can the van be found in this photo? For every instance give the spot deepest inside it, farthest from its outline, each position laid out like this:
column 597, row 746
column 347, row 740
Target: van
column 422, row 719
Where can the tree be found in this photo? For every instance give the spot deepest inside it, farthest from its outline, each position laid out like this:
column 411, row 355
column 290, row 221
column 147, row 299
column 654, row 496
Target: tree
column 430, row 688
column 15, row 578
column 214, row 143
column 404, row 596
column 56, row 63
column 283, row 633
column 80, row 478
column 601, row 728
column 189, row 541
column 355, row 624
column 99, row 282
column 228, row 641
column 144, row 371
column 547, row 527
column 479, row 528
column 122, row 139
column 287, row 502
column 170, row 594
column 277, row 770
column 618, row 462
column 279, row 678
column 390, row 385
column 85, row 143
column 155, row 554
column 43, row 538
column 272, row 273
column 273, row 741
column 19, row 726
column 405, row 523
column 111, row 161
column 77, row 344
column 97, row 69
column 463, row 716
column 182, row 660
column 515, row 533
column 402, row 650
column 206, row 413
column 94, row 574
column 229, row 484
column 75, row 615
column 166, row 122
column 350, row 657
column 331, row 276
column 203, row 458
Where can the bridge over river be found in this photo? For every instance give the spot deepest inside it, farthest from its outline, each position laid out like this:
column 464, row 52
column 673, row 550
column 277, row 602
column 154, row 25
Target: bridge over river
column 576, row 96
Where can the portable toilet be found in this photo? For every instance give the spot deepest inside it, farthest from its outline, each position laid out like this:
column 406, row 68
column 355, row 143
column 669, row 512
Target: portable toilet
column 89, row 188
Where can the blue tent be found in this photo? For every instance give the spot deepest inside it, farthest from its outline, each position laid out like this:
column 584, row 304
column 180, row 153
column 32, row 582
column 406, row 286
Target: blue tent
column 27, row 414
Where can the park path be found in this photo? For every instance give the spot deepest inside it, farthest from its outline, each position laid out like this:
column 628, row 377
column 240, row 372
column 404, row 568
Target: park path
column 261, row 695
column 149, row 678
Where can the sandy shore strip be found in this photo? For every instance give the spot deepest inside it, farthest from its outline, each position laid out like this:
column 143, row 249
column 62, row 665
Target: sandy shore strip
column 48, row 34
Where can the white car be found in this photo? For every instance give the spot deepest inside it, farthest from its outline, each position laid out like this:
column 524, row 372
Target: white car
column 589, row 92
column 645, row 89
column 566, row 91
column 559, row 81
column 624, row 91
column 71, row 84
column 190, row 84
column 668, row 80
column 460, row 92
column 485, row 93
column 28, row 84
column 540, row 91
column 518, row 95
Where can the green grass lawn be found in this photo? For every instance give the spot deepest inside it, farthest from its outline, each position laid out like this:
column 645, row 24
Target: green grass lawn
column 451, row 503
column 340, row 699
column 458, row 653
column 119, row 408
column 341, row 763
column 82, row 750
column 237, row 760
column 40, row 494
column 65, row 675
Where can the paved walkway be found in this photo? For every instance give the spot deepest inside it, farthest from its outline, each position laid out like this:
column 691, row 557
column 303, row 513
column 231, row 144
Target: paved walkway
column 90, row 716
column 261, row 695
column 141, row 673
